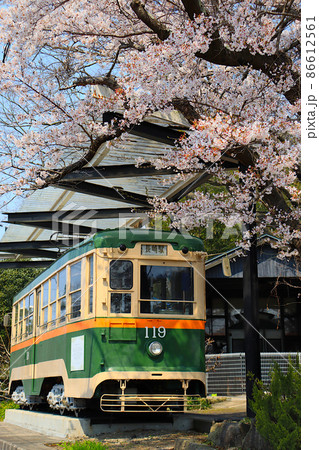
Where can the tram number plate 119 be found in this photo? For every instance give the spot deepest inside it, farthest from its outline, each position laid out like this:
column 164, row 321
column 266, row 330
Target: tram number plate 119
column 155, row 333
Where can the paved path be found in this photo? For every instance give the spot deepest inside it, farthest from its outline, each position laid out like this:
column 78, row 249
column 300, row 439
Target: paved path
column 13, row 437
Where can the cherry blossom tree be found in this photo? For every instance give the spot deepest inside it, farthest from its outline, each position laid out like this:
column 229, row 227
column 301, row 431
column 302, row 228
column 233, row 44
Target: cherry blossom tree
column 231, row 67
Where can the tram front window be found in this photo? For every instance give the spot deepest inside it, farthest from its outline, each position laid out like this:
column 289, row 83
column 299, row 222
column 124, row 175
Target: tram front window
column 121, row 278
column 167, row 290
column 120, row 303
column 121, row 274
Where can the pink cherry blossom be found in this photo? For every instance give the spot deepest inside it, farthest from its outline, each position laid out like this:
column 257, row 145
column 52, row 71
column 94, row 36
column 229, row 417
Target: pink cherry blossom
column 231, row 68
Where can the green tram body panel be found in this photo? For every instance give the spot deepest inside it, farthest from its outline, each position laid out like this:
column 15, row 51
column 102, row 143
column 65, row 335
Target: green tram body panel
column 106, row 344
column 183, row 352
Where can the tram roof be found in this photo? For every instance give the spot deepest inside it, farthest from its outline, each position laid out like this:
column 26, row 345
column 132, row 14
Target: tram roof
column 113, row 239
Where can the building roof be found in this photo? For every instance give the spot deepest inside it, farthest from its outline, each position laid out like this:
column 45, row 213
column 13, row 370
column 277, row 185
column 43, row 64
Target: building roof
column 269, row 265
column 109, row 192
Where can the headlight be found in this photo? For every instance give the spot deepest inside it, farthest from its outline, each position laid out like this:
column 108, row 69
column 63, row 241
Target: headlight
column 155, row 348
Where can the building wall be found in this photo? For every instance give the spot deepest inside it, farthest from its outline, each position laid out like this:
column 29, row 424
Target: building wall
column 279, row 306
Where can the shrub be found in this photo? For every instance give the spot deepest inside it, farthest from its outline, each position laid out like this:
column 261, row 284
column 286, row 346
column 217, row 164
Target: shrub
column 83, row 445
column 278, row 408
column 6, row 404
column 202, row 403
column 195, row 403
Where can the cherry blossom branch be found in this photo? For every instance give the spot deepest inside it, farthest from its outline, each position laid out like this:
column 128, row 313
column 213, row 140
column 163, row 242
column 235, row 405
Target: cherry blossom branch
column 108, row 35
column 274, row 66
column 107, row 80
column 225, row 66
column 158, row 28
column 193, row 8
column 184, row 106
column 244, row 154
column 95, row 145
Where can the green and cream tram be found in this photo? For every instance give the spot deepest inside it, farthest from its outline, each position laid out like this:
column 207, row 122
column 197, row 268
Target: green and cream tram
column 117, row 322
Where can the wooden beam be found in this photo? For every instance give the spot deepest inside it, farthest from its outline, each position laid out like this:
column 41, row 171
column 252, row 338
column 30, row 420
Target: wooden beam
column 131, row 171
column 35, row 253
column 117, row 171
column 24, row 264
column 26, row 245
column 69, row 215
column 61, row 227
column 147, row 130
column 190, row 186
column 105, row 192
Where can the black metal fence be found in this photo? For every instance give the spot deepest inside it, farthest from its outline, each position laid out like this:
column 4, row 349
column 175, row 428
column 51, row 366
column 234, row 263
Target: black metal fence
column 228, row 376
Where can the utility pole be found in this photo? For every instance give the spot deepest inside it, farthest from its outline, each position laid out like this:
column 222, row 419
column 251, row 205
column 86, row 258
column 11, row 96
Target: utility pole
column 250, row 297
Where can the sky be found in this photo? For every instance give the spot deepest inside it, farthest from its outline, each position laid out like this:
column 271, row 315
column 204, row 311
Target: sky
column 13, row 206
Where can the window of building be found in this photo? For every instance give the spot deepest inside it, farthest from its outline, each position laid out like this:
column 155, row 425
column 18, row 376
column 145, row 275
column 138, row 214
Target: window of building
column 291, row 311
column 216, row 317
column 235, row 314
column 75, row 290
column 292, row 317
column 269, row 313
column 169, row 290
column 121, row 274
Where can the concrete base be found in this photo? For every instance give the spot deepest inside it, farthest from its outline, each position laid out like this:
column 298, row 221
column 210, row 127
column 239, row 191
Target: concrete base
column 72, row 427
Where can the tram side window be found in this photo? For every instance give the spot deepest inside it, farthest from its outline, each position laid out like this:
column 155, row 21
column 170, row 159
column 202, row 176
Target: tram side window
column 91, row 283
column 29, row 303
column 38, row 297
column 75, row 289
column 45, row 301
column 16, row 319
column 53, row 296
column 20, row 321
column 62, row 295
column 168, row 290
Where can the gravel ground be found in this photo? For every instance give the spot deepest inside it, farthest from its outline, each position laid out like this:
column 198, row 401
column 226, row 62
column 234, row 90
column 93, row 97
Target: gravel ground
column 165, row 440
column 143, row 440
column 154, row 440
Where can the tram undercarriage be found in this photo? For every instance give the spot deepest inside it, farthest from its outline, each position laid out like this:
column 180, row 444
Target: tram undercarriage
column 118, row 396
